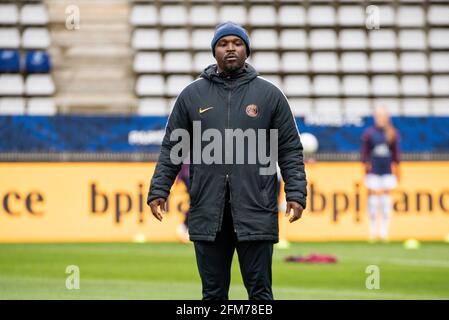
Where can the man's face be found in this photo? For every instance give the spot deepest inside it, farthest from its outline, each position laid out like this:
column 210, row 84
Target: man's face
column 230, row 53
column 381, row 118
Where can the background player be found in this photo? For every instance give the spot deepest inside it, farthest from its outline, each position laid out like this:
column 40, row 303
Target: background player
column 380, row 155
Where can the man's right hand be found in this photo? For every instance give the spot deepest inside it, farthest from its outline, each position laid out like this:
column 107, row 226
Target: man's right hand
column 158, row 202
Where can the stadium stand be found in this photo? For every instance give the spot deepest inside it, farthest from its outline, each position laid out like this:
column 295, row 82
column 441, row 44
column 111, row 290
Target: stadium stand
column 25, row 64
column 134, row 57
column 91, row 56
column 311, row 49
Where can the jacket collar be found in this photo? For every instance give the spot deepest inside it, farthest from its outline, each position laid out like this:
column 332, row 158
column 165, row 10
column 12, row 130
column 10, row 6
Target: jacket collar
column 247, row 74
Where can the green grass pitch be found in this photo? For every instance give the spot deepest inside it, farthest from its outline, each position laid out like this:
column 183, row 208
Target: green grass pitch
column 168, row 271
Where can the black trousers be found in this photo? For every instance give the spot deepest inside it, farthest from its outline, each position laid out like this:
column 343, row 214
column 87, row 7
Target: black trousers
column 214, row 260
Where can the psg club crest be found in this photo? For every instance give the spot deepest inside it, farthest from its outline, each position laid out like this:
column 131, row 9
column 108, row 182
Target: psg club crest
column 252, row 110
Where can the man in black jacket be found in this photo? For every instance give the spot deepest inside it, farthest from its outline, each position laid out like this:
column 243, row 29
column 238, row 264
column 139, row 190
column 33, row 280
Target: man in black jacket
column 232, row 205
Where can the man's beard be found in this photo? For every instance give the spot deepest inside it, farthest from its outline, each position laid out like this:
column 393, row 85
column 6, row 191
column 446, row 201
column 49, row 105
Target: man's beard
column 232, row 68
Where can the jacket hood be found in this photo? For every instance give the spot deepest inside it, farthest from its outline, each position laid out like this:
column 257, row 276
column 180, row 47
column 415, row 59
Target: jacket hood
column 247, row 74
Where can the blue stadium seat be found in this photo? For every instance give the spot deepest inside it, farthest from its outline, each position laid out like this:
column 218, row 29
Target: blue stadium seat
column 9, row 61
column 37, row 62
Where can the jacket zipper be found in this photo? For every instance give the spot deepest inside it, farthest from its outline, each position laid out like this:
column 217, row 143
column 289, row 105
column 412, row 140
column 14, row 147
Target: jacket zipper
column 220, row 221
column 227, row 181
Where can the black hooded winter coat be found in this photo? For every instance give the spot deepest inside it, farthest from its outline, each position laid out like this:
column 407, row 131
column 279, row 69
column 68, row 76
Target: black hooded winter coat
column 243, row 101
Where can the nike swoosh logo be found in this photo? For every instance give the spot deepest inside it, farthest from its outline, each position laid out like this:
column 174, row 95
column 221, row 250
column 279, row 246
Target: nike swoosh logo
column 204, row 110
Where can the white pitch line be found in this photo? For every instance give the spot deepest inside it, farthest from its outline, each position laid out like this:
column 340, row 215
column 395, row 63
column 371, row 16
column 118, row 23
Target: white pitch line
column 406, row 262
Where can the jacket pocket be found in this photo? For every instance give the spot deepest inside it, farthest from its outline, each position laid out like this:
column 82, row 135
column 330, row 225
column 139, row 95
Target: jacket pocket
column 263, row 180
column 194, row 188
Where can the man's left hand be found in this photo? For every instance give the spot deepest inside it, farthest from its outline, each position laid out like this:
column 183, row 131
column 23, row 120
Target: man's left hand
column 297, row 211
